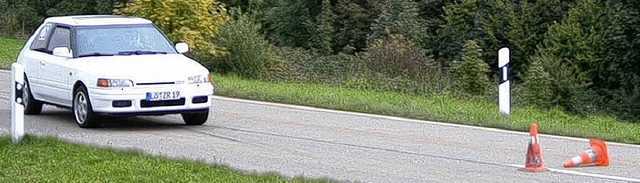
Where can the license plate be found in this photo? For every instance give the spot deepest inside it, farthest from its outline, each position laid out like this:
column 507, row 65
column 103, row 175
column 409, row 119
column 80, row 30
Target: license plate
column 170, row 95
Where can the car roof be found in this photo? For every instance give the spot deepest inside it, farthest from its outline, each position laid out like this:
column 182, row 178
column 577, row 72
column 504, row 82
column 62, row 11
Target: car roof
column 91, row 20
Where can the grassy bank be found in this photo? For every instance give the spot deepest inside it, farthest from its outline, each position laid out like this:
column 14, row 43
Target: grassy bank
column 436, row 108
column 9, row 49
column 51, row 160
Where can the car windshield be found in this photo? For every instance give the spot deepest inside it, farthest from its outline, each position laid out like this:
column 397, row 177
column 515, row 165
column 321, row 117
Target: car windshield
column 121, row 40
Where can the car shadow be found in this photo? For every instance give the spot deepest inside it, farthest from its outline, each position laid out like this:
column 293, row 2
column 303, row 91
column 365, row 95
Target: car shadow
column 118, row 123
column 139, row 123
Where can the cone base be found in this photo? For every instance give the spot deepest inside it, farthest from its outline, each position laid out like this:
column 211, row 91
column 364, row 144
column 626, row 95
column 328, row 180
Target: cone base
column 583, row 166
column 533, row 169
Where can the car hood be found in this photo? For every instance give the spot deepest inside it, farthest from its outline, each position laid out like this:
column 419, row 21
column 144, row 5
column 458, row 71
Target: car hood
column 142, row 68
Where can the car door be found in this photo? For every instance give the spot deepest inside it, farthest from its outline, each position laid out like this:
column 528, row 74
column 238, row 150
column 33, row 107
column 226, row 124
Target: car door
column 33, row 60
column 56, row 74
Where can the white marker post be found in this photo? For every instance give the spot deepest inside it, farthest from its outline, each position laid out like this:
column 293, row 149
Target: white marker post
column 504, row 93
column 17, row 107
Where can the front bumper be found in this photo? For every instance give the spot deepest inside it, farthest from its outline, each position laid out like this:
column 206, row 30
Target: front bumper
column 132, row 100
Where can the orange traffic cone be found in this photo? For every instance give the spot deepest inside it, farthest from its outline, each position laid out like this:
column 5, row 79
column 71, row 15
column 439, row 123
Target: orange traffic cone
column 596, row 155
column 533, row 162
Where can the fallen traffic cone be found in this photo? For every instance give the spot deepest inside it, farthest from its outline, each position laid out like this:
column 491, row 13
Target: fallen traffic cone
column 596, row 155
column 534, row 156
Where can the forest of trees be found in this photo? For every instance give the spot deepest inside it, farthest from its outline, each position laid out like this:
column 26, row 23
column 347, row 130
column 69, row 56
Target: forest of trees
column 578, row 55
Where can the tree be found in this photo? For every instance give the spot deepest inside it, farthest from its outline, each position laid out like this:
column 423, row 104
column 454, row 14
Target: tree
column 463, row 22
column 247, row 6
column 528, row 25
column 75, row 7
column 353, row 22
column 569, row 53
column 193, row 21
column 617, row 69
column 250, row 54
column 324, row 29
column 19, row 19
column 431, row 15
column 398, row 17
column 538, row 83
column 471, row 71
column 290, row 23
column 22, row 17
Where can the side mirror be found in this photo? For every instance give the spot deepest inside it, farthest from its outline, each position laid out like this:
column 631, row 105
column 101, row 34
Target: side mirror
column 182, row 47
column 62, row 52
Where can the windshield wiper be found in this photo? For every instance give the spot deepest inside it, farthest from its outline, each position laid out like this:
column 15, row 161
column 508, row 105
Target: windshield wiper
column 95, row 54
column 140, row 52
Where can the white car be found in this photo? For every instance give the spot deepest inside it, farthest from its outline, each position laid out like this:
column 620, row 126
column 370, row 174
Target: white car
column 104, row 65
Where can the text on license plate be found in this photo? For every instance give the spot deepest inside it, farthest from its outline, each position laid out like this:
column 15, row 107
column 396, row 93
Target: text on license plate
column 170, row 95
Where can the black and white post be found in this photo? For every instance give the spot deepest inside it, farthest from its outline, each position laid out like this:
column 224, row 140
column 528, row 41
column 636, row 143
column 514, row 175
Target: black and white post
column 504, row 93
column 17, row 106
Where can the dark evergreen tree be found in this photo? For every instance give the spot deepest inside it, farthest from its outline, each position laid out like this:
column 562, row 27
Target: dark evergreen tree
column 398, row 17
column 324, row 30
column 353, row 22
column 290, row 22
column 463, row 22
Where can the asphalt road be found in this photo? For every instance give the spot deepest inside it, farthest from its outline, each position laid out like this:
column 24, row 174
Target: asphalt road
column 316, row 143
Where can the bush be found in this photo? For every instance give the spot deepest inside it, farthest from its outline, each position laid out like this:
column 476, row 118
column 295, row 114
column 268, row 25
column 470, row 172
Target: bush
column 471, row 72
column 307, row 66
column 249, row 55
column 396, row 56
column 567, row 56
column 537, row 83
column 395, row 63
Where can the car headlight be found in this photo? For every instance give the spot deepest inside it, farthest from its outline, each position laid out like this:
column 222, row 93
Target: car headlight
column 102, row 82
column 205, row 78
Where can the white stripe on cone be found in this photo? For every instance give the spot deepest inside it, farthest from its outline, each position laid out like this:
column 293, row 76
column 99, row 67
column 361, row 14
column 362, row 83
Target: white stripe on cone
column 577, row 160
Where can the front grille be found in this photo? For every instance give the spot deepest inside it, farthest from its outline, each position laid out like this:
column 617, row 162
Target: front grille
column 161, row 103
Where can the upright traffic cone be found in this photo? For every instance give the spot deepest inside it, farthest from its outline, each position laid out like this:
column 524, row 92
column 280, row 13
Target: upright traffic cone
column 596, row 155
column 533, row 161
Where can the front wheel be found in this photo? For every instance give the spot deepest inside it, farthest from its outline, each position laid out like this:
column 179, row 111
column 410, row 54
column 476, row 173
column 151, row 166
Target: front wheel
column 195, row 118
column 31, row 105
column 82, row 109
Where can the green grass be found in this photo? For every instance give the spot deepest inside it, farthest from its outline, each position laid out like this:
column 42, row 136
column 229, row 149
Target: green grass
column 39, row 159
column 442, row 108
column 9, row 49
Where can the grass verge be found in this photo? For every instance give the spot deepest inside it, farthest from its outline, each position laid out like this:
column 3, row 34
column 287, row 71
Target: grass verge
column 9, row 49
column 436, row 108
column 39, row 159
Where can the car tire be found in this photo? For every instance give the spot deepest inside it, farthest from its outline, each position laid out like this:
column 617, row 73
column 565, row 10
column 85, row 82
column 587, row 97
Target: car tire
column 82, row 110
column 195, row 118
column 31, row 105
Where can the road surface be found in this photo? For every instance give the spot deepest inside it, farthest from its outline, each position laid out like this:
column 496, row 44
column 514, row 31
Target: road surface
column 315, row 143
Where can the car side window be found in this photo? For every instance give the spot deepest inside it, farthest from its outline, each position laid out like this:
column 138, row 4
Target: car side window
column 40, row 42
column 61, row 37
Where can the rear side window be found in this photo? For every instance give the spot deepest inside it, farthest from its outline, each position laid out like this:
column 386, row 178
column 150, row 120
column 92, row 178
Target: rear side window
column 61, row 37
column 40, row 42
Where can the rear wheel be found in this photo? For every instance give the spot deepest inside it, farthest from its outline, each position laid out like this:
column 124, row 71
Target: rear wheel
column 31, row 105
column 82, row 110
column 195, row 118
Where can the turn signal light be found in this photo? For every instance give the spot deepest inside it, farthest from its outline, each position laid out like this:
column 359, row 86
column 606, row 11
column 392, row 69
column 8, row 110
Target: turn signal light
column 103, row 82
